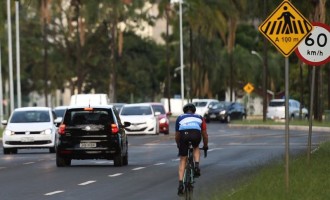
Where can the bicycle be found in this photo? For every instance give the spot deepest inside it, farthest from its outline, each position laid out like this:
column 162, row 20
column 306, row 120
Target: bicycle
column 188, row 177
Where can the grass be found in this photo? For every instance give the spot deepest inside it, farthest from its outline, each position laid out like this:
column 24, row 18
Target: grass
column 307, row 180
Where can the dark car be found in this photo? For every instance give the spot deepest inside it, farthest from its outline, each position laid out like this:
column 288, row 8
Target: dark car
column 92, row 133
column 59, row 111
column 226, row 111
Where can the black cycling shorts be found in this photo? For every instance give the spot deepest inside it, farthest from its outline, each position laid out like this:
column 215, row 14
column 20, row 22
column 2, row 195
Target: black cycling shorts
column 194, row 136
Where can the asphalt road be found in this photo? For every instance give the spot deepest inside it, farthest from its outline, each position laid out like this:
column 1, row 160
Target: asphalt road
column 152, row 170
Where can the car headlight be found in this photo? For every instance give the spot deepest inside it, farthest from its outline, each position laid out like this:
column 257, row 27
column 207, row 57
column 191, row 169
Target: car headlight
column 222, row 112
column 163, row 120
column 47, row 132
column 9, row 132
column 151, row 120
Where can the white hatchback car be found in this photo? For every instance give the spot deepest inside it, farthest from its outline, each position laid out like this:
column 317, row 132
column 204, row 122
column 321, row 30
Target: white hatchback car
column 142, row 117
column 276, row 109
column 203, row 105
column 29, row 127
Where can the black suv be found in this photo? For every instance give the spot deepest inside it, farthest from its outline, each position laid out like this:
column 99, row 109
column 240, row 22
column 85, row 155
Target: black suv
column 91, row 133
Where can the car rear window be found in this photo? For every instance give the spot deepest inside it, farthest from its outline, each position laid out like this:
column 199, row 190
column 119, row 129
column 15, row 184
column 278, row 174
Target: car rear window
column 276, row 103
column 80, row 116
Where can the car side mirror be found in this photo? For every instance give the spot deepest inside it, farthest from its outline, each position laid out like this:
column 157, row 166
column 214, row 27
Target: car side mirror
column 4, row 122
column 58, row 121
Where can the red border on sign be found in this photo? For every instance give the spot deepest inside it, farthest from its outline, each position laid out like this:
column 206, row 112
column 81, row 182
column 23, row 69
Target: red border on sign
column 311, row 62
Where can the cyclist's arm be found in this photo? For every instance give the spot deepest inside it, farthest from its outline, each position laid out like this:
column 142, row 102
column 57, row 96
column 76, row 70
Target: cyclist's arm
column 177, row 137
column 204, row 134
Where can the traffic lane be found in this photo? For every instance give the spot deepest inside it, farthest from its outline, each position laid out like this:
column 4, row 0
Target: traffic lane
column 55, row 182
column 144, row 178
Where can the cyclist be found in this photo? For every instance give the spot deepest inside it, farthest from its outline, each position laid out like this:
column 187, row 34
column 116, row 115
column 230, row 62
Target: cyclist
column 189, row 127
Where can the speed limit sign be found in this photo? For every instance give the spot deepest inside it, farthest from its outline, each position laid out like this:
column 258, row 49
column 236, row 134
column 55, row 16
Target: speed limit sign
column 315, row 48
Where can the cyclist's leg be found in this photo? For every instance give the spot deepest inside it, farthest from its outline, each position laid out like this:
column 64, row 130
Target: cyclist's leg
column 183, row 149
column 182, row 165
column 196, row 139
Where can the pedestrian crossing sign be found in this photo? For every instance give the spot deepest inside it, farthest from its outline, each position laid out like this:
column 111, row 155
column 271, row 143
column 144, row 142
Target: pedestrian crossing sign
column 285, row 28
column 248, row 88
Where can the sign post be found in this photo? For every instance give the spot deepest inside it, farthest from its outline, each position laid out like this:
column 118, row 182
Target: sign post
column 314, row 51
column 285, row 28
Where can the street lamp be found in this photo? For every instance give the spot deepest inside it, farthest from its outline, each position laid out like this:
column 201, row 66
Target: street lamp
column 181, row 50
column 264, row 85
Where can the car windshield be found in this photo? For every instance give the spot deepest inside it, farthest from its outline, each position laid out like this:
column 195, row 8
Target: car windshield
column 59, row 112
column 30, row 116
column 200, row 103
column 276, row 103
column 219, row 106
column 159, row 108
column 136, row 110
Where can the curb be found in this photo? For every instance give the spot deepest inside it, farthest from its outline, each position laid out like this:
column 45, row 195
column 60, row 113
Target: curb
column 282, row 127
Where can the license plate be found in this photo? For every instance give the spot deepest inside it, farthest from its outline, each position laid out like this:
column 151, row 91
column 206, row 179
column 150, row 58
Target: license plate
column 87, row 145
column 27, row 139
column 212, row 116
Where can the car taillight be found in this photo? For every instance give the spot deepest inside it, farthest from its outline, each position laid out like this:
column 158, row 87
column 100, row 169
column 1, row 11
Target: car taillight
column 114, row 129
column 61, row 129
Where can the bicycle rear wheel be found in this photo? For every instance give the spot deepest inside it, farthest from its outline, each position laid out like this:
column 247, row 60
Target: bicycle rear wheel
column 188, row 184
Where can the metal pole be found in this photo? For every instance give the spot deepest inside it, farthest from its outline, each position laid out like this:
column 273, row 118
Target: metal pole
column 18, row 62
column 1, row 91
column 311, row 116
column 181, row 56
column 10, row 58
column 287, row 137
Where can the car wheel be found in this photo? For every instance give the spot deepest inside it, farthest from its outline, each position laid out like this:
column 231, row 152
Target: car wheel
column 125, row 159
column 167, row 132
column 52, row 150
column 118, row 160
column 6, row 151
column 61, row 161
column 228, row 119
column 14, row 151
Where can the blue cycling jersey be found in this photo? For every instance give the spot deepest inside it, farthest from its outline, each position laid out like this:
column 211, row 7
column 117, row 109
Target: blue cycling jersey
column 189, row 121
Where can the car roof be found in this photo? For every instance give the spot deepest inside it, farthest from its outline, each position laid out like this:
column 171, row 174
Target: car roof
column 92, row 106
column 61, row 107
column 32, row 108
column 137, row 104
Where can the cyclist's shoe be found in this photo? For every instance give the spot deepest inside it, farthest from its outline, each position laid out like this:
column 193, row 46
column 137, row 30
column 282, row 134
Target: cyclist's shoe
column 180, row 190
column 197, row 172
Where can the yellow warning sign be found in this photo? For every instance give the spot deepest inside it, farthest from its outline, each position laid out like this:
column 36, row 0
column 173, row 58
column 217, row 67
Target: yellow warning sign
column 286, row 27
column 248, row 88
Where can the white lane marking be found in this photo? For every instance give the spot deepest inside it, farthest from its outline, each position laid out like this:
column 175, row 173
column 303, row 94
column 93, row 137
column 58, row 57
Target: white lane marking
column 28, row 163
column 177, row 159
column 102, row 162
column 114, row 175
column 159, row 164
column 2, row 167
column 87, row 182
column 52, row 193
column 138, row 168
column 214, row 149
column 159, row 144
